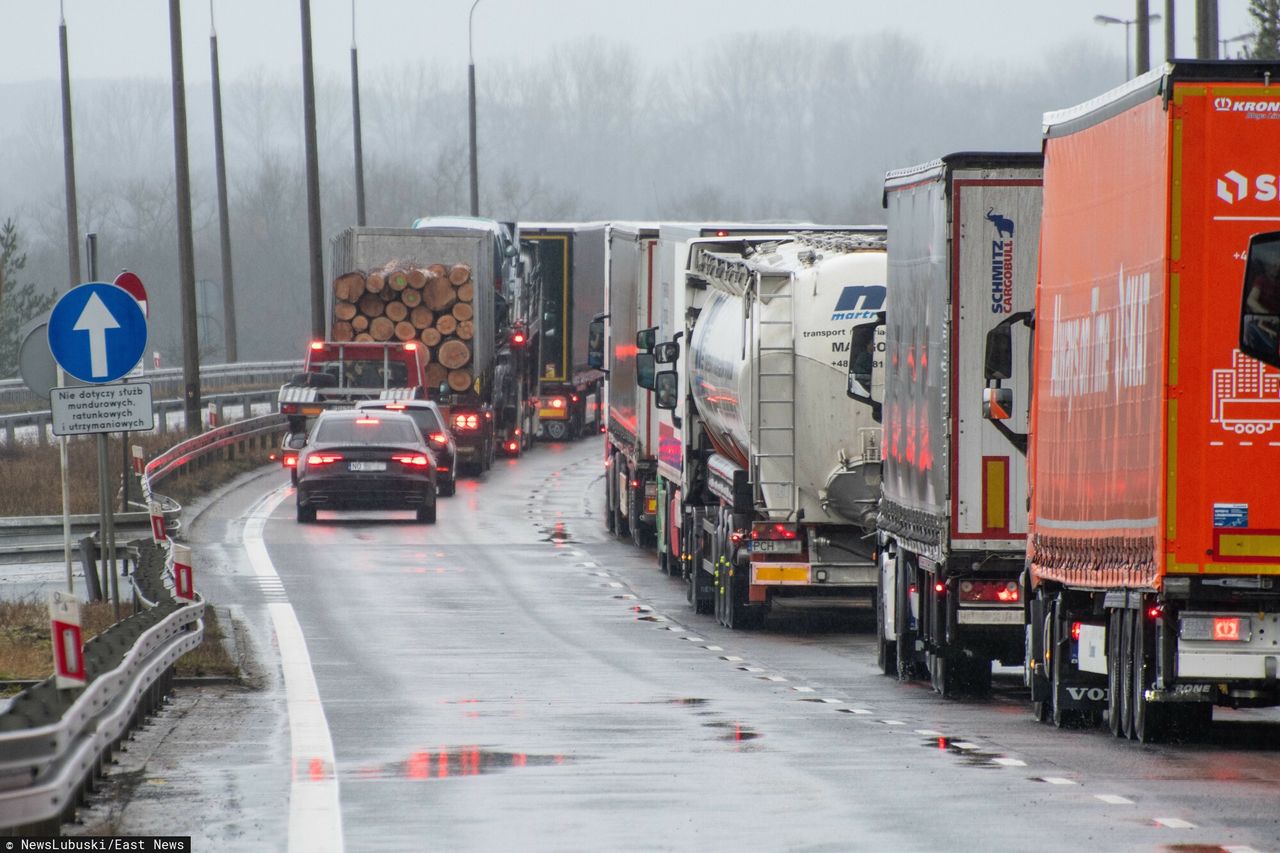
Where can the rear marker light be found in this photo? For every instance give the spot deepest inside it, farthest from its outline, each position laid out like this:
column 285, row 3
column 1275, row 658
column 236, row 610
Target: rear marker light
column 1075, row 631
column 939, row 587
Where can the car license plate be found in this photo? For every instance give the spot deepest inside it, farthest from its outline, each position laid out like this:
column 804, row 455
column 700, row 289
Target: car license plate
column 776, row 546
column 367, row 466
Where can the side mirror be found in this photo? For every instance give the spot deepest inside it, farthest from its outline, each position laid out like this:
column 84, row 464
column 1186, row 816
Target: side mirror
column 666, row 390
column 646, row 367
column 997, row 404
column 646, row 338
column 595, row 343
column 998, row 363
column 866, row 364
column 667, row 353
column 1260, row 300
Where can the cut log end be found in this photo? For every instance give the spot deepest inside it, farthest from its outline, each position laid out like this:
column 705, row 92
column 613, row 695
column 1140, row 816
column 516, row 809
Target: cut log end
column 381, row 328
column 459, row 380
column 463, row 311
column 459, row 274
column 446, row 324
column 454, row 354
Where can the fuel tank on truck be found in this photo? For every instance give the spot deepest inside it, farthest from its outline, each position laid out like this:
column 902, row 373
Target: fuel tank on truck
column 770, row 364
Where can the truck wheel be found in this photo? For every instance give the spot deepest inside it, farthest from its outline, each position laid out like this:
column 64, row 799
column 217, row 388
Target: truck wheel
column 740, row 614
column 556, row 430
column 610, row 520
column 1115, row 684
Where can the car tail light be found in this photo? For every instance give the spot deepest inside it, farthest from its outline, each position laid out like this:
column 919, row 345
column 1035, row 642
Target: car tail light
column 443, row 469
column 774, row 531
column 323, row 458
column 995, row 592
column 466, row 422
column 396, row 407
column 411, row 460
column 1154, row 612
column 511, row 445
column 439, row 438
column 289, row 409
column 410, row 347
column 291, row 460
column 368, row 421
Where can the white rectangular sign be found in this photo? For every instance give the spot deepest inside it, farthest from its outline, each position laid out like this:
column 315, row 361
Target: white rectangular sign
column 89, row 409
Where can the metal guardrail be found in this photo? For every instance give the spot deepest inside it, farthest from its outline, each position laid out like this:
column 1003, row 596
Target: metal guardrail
column 168, row 380
column 43, row 421
column 55, row 743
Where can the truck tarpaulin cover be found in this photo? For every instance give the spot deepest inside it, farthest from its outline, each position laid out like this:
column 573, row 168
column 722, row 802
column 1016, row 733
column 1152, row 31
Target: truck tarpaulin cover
column 1096, row 454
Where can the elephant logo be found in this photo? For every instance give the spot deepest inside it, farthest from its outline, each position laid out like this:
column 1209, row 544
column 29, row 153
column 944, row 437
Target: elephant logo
column 1003, row 224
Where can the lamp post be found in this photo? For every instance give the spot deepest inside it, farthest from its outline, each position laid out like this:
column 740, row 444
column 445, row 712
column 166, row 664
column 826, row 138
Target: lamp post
column 471, row 111
column 1107, row 19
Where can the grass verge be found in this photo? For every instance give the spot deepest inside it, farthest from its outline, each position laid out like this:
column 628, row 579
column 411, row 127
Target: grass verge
column 26, row 653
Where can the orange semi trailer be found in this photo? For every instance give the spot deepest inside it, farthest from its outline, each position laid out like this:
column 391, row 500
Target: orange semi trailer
column 1153, row 549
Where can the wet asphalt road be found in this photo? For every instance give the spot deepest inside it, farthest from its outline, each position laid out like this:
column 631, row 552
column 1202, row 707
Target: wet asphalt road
column 512, row 678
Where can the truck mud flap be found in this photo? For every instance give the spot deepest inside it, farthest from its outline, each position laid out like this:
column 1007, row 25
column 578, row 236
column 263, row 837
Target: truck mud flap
column 1036, row 673
column 1082, row 697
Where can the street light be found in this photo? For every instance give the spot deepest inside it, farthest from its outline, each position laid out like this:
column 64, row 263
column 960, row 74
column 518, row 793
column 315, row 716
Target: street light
column 1107, row 19
column 471, row 111
column 1225, row 42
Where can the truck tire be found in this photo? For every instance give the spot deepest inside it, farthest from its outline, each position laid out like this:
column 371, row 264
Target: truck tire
column 1115, row 683
column 1126, row 674
column 886, row 650
column 610, row 484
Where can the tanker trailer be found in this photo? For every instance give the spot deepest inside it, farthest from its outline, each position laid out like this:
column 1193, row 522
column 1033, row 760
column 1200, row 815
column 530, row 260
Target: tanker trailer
column 782, row 387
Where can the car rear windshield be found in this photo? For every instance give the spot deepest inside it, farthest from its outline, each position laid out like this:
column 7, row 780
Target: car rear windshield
column 371, row 430
column 425, row 418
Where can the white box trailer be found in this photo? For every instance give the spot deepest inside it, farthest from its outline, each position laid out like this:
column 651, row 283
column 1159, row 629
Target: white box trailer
column 963, row 249
column 781, row 467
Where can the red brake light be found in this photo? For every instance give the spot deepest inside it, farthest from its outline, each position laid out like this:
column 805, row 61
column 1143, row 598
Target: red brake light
column 1003, row 592
column 511, row 445
column 368, row 421
column 289, row 409
column 1155, row 612
column 412, row 461
column 574, row 398
column 411, row 346
column 466, row 422
column 557, row 402
column 291, row 460
column 1226, row 628
column 323, row 458
column 439, row 438
column 1075, row 631
column 939, row 587
column 720, row 232
column 396, row 407
column 317, row 344
column 774, row 531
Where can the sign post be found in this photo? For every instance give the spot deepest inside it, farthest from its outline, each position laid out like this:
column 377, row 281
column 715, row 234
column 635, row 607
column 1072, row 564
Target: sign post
column 97, row 333
column 68, row 642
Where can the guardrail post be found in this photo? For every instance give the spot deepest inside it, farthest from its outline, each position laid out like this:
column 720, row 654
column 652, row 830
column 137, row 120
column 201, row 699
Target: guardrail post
column 8, row 433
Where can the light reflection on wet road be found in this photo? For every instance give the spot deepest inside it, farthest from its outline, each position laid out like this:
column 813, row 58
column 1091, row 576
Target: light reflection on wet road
column 512, row 678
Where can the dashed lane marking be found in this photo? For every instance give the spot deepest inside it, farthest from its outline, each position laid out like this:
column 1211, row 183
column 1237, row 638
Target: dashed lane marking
column 315, row 813
column 893, row 722
column 1058, row 780
column 730, row 657
column 861, row 712
column 966, row 745
column 1009, row 762
column 802, row 689
column 927, row 732
column 1174, row 823
column 713, row 648
column 1114, row 799
column 695, row 639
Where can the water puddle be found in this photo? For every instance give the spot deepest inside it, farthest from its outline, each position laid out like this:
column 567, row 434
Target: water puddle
column 454, row 762
column 968, row 756
column 557, row 534
column 734, row 732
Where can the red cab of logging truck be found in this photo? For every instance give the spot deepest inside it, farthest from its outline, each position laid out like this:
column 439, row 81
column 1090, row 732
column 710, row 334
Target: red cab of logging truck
column 337, row 375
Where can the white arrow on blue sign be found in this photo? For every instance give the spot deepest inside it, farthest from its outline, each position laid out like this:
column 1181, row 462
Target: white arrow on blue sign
column 97, row 332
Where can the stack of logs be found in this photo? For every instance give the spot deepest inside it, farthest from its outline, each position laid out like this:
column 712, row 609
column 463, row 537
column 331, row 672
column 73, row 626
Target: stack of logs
column 398, row 303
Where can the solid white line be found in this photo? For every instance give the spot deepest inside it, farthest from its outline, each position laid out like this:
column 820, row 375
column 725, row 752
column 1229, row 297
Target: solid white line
column 1174, row 823
column 1114, row 799
column 315, row 815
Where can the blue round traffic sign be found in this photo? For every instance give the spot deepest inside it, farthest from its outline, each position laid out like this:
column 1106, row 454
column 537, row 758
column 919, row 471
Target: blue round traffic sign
column 97, row 332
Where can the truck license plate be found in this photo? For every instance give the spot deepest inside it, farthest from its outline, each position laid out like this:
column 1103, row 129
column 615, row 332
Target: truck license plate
column 776, row 546
column 367, row 466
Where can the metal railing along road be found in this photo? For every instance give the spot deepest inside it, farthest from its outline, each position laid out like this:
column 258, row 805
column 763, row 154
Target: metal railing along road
column 55, row 743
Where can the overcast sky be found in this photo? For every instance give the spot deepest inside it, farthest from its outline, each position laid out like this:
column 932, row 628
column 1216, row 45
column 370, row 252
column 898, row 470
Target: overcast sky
column 129, row 38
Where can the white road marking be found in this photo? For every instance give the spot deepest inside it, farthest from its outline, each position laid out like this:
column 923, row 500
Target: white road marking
column 1174, row 823
column 774, row 678
column 893, row 722
column 730, row 657
column 964, row 744
column 714, row 648
column 803, row 689
column 925, row 732
column 695, row 639
column 860, row 711
column 751, row 668
column 315, row 813
column 1058, row 780
column 615, row 584
column 1114, row 799
column 1009, row 762
column 1239, row 848
column 834, row 701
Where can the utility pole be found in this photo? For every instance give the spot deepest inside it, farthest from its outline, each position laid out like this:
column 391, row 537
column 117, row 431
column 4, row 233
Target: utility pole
column 1206, row 29
column 1170, row 42
column 186, row 254
column 355, row 121
column 314, row 249
column 471, row 113
column 224, row 217
column 69, row 160
column 1142, row 56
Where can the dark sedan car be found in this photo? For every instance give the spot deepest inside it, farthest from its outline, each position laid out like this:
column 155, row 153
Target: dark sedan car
column 356, row 459
column 426, row 414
